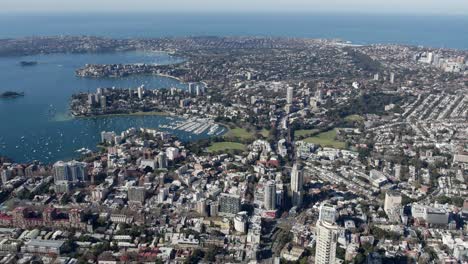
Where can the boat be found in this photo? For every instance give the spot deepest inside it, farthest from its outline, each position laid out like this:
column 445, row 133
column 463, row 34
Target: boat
column 10, row 94
column 28, row 63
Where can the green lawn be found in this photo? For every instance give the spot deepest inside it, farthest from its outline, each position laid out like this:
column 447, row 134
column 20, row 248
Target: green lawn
column 326, row 139
column 356, row 118
column 304, row 132
column 241, row 133
column 264, row 133
column 225, row 146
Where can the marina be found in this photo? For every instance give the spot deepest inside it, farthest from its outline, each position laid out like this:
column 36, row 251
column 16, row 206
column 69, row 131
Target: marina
column 197, row 127
column 47, row 132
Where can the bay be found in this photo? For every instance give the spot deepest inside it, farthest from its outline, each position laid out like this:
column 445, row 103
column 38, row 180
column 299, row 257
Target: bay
column 38, row 126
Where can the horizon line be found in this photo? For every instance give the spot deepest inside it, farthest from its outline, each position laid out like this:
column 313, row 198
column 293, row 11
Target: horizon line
column 234, row 12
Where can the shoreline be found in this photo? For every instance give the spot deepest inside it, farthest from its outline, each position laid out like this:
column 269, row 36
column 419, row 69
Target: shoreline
column 151, row 113
column 171, row 77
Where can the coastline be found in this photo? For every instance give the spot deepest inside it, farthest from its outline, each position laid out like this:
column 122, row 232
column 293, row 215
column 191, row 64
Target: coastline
column 171, row 77
column 152, row 113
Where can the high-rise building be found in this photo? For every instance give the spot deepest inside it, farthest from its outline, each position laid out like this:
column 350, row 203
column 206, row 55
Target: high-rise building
column 327, row 213
column 240, row 222
column 214, row 209
column 136, row 194
column 249, row 76
column 162, row 195
column 430, row 57
column 60, row 171
column 290, row 95
column 103, row 101
column 172, row 153
column 6, row 175
column 107, row 137
column 229, row 203
column 201, row 207
column 318, row 94
column 162, row 160
column 91, row 100
column 191, row 88
column 72, row 171
column 297, row 182
column 270, row 195
column 326, row 235
column 397, row 172
column 141, row 92
column 392, row 78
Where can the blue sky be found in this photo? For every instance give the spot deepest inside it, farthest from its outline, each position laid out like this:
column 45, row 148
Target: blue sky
column 357, row 6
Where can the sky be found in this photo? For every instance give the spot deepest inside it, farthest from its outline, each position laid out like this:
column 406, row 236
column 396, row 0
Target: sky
column 444, row 7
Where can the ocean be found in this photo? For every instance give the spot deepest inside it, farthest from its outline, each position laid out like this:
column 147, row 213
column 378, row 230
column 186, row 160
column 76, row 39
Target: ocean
column 433, row 31
column 38, row 126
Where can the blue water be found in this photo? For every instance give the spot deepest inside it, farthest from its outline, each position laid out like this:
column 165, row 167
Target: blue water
column 435, row 31
column 39, row 127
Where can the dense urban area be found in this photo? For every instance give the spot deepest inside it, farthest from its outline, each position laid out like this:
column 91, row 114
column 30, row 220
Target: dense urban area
column 335, row 153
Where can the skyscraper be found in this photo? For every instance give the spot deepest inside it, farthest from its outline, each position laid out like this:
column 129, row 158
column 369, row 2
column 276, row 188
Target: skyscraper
column 326, row 235
column 327, row 213
column 289, row 95
column 270, row 195
column 297, row 182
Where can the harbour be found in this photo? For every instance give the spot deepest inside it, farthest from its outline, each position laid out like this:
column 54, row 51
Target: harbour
column 39, row 125
column 196, row 127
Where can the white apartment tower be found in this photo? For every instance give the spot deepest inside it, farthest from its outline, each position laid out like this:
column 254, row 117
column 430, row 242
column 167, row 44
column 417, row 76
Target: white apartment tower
column 141, row 91
column 327, row 235
column 289, row 95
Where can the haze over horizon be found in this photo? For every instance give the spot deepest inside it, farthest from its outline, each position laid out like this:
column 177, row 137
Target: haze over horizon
column 448, row 7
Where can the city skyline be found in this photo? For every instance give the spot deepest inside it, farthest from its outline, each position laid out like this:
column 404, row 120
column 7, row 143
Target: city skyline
column 233, row 132
column 450, row 7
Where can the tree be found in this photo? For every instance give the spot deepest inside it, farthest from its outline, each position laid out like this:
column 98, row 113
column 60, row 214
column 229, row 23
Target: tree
column 195, row 257
column 148, row 169
column 211, row 253
column 340, row 253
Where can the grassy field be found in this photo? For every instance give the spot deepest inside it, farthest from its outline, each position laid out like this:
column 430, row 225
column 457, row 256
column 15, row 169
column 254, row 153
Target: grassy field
column 264, row 133
column 356, row 118
column 326, row 139
column 238, row 132
column 225, row 146
column 304, row 132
